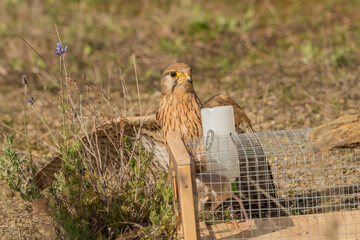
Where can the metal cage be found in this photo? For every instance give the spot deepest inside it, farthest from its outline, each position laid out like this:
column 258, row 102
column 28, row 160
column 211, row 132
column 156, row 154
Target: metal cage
column 273, row 185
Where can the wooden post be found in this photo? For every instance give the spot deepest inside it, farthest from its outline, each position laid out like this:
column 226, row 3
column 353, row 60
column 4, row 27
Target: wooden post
column 180, row 161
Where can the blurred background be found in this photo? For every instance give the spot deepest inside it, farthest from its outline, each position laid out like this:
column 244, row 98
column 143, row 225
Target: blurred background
column 288, row 64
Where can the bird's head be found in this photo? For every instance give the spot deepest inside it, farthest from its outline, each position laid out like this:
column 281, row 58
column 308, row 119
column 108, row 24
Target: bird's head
column 176, row 78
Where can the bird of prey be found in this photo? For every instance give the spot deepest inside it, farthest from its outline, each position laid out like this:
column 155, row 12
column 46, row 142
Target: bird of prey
column 179, row 110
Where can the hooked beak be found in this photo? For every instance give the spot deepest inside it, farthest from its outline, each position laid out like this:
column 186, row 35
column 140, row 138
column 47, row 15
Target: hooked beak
column 185, row 77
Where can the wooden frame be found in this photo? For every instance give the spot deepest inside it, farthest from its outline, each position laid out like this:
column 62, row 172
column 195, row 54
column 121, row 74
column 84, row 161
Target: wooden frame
column 182, row 179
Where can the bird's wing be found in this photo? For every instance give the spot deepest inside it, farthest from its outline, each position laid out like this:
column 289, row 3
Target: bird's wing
column 242, row 122
column 106, row 142
column 137, row 129
column 148, row 131
column 343, row 132
column 45, row 176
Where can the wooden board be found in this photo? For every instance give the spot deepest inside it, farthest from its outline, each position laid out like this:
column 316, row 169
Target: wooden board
column 336, row 225
column 181, row 171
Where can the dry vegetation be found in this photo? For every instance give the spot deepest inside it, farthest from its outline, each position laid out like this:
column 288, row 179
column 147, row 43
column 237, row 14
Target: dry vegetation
column 289, row 64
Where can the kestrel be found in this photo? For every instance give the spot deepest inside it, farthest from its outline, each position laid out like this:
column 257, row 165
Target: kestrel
column 180, row 109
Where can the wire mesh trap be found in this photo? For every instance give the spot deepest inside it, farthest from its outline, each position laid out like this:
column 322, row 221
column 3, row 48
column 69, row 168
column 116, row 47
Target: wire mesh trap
column 273, row 185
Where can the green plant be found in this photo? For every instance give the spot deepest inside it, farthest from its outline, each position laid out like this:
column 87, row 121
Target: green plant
column 16, row 171
column 163, row 220
column 86, row 204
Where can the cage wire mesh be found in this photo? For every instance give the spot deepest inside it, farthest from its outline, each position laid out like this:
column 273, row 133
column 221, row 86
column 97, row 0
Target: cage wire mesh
column 278, row 182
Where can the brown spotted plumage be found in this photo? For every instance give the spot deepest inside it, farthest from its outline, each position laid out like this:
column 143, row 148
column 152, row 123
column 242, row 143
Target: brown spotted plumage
column 180, row 107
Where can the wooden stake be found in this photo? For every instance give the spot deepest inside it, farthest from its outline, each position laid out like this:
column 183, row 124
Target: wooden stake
column 182, row 168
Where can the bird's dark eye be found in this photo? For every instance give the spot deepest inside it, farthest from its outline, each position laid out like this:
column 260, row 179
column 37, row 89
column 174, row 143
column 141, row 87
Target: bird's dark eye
column 173, row 74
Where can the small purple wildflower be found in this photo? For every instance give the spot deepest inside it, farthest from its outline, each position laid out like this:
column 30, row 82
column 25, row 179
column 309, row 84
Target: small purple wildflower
column 60, row 50
column 31, row 100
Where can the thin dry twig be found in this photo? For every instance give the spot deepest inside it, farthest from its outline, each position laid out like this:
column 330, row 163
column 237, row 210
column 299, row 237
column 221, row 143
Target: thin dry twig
column 137, row 84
